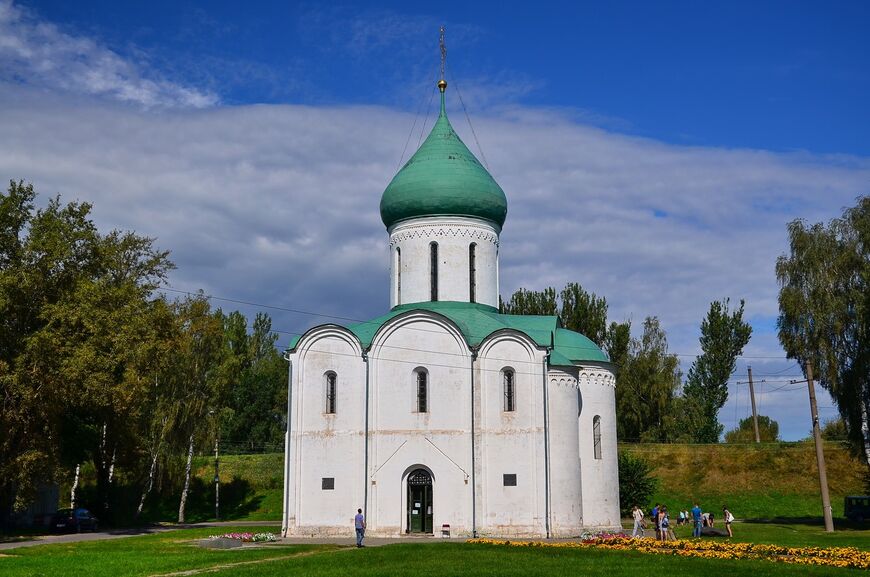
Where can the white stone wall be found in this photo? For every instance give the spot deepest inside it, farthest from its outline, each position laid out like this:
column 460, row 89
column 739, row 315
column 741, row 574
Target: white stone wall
column 599, row 477
column 326, row 445
column 583, row 491
column 510, row 442
column 403, row 439
column 410, row 283
column 565, row 479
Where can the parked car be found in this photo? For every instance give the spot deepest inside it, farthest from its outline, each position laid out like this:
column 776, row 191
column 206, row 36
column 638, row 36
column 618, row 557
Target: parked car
column 77, row 520
column 857, row 508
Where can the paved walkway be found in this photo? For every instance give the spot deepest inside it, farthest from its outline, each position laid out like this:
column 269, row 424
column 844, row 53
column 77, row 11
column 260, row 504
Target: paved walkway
column 349, row 541
column 121, row 533
column 369, row 541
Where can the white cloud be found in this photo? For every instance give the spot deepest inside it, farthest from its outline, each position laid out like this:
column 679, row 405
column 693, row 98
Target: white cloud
column 38, row 53
column 279, row 205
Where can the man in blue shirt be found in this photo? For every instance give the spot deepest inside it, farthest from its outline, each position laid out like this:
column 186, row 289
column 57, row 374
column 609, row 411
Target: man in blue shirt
column 359, row 523
column 696, row 517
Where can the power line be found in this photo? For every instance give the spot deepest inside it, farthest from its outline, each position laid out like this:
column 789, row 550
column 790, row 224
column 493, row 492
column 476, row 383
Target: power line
column 362, row 322
column 418, row 350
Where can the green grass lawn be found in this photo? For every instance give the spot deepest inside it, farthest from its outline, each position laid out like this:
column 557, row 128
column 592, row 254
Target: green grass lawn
column 134, row 556
column 469, row 560
column 175, row 551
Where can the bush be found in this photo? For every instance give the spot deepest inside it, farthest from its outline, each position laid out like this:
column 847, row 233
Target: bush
column 636, row 483
column 768, row 431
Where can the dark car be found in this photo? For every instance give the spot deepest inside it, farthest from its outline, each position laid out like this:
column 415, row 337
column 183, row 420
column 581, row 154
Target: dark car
column 77, row 520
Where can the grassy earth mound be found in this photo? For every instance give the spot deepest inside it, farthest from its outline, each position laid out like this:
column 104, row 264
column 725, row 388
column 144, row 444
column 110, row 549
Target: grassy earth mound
column 756, row 481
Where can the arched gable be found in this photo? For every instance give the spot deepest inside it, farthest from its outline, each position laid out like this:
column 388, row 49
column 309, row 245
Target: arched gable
column 390, row 327
column 308, row 341
column 507, row 335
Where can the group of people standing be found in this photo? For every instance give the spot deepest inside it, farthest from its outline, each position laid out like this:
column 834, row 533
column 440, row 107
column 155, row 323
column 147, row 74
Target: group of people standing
column 661, row 519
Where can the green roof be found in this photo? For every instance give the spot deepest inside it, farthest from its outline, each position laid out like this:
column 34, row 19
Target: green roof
column 477, row 321
column 443, row 178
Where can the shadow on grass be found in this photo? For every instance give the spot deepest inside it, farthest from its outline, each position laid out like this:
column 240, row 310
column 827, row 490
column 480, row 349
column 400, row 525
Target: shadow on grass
column 839, row 522
column 237, row 500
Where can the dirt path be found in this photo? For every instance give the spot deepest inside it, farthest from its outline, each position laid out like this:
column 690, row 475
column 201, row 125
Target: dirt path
column 222, row 566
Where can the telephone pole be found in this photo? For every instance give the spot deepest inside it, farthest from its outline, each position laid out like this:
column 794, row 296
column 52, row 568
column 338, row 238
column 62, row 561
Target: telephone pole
column 754, row 411
column 217, row 480
column 820, row 452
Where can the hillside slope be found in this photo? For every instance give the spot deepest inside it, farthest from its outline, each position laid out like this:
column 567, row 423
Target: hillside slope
column 756, row 480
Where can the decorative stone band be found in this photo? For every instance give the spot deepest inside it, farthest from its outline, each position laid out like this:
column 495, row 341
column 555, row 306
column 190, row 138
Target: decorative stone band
column 597, row 377
column 404, row 233
column 562, row 380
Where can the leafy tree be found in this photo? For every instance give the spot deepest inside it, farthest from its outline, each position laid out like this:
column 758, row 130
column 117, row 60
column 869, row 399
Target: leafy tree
column 578, row 310
column 75, row 310
column 723, row 336
column 197, row 377
column 617, row 343
column 824, row 304
column 636, row 482
column 98, row 344
column 834, row 430
column 584, row 312
column 683, row 421
column 768, row 431
column 258, row 397
column 647, row 385
column 527, row 302
column 42, row 255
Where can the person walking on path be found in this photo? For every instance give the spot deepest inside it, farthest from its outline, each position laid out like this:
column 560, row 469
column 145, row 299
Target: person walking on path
column 696, row 519
column 655, row 519
column 637, row 514
column 729, row 518
column 359, row 523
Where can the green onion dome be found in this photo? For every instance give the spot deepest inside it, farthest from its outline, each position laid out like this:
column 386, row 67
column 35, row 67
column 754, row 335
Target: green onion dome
column 443, row 178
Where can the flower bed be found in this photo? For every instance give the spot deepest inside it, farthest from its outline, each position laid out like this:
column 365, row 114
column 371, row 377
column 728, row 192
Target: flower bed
column 848, row 557
column 248, row 537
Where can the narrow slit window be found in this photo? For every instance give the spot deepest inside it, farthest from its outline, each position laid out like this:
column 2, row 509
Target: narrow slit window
column 433, row 271
column 509, row 390
column 596, row 436
column 330, row 393
column 422, row 392
column 398, row 276
column 472, row 272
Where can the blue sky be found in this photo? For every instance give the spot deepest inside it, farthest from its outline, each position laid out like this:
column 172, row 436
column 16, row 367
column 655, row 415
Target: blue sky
column 774, row 75
column 653, row 152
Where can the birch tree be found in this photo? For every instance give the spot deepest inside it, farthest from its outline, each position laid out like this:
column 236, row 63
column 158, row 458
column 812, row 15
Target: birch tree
column 824, row 306
column 197, row 375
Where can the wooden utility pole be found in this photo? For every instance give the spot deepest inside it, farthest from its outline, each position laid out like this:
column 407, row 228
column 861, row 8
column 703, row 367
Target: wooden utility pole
column 820, row 452
column 754, row 411
column 217, row 480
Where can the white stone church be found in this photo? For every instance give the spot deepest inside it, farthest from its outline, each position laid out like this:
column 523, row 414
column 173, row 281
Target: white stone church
column 444, row 414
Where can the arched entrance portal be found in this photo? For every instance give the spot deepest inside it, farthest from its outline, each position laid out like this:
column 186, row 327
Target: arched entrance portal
column 419, row 502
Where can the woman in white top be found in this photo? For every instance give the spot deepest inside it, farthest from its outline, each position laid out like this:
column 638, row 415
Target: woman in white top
column 729, row 518
column 637, row 515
